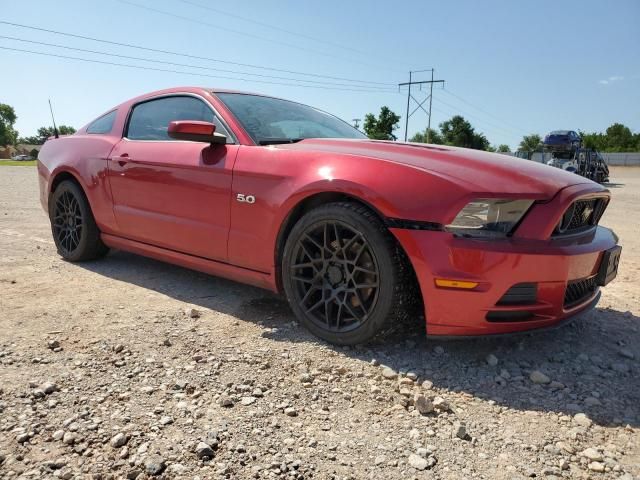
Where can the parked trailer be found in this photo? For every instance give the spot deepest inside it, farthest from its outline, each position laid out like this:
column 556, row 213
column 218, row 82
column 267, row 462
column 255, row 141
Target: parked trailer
column 586, row 162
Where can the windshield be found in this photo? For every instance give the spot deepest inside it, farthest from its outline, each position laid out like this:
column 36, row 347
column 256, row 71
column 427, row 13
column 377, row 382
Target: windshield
column 271, row 120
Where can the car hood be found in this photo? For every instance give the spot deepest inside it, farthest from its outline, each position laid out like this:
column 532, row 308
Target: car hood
column 480, row 171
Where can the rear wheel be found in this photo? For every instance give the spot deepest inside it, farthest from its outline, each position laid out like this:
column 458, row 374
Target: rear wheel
column 73, row 226
column 343, row 274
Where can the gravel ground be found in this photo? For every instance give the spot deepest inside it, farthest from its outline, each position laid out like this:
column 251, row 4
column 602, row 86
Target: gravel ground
column 130, row 368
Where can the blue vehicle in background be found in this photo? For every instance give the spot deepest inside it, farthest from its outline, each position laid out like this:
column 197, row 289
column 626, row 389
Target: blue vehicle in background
column 562, row 141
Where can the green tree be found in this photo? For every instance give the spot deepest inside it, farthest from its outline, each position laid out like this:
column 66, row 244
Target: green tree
column 595, row 140
column 381, row 128
column 458, row 132
column 29, row 140
column 530, row 143
column 8, row 134
column 428, row 136
column 46, row 132
column 619, row 138
column 504, row 148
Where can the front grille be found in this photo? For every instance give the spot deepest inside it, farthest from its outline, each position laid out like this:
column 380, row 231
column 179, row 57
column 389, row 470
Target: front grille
column 580, row 215
column 578, row 291
column 520, row 294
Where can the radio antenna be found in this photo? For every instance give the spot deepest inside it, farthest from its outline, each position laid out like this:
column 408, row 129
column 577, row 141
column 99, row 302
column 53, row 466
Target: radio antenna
column 55, row 129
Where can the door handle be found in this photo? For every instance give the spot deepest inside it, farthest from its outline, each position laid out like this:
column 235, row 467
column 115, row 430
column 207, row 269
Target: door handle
column 122, row 159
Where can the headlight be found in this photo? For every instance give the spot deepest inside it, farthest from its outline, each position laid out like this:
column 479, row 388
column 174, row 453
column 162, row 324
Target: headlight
column 489, row 217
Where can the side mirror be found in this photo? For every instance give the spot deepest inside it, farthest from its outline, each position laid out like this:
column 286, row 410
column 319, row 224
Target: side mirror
column 195, row 131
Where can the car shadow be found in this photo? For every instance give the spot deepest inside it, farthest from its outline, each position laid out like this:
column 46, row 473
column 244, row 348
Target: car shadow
column 588, row 361
column 612, row 185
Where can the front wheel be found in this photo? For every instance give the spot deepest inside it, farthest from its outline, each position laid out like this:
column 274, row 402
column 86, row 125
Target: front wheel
column 344, row 275
column 73, row 226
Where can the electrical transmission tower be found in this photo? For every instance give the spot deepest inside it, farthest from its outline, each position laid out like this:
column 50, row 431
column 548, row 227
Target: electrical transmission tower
column 420, row 104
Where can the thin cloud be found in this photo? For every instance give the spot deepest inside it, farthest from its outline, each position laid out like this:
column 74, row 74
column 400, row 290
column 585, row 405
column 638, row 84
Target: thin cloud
column 612, row 79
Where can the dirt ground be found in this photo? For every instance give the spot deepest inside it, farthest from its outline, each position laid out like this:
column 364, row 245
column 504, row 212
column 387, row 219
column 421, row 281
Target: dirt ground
column 130, row 368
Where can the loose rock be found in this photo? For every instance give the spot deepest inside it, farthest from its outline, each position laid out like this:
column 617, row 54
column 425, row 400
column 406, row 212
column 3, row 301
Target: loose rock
column 460, row 431
column 492, row 360
column 423, row 404
column 154, row 465
column 204, row 451
column 592, row 454
column 290, row 412
column 538, row 377
column 389, row 373
column 118, row 440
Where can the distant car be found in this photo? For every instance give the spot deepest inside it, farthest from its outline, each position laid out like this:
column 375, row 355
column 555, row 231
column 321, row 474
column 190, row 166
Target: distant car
column 562, row 141
column 286, row 197
column 22, row 157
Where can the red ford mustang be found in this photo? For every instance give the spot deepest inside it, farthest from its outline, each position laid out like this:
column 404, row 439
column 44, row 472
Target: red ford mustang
column 355, row 232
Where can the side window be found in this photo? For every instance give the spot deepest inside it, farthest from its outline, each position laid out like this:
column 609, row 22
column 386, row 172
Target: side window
column 150, row 120
column 104, row 124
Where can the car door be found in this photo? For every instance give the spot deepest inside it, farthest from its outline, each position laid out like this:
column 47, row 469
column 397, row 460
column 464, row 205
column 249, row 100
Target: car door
column 169, row 193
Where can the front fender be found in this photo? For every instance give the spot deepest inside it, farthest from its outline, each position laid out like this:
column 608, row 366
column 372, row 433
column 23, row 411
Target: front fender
column 281, row 180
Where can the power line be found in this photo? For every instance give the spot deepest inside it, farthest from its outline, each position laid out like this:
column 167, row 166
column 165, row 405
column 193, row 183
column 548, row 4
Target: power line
column 482, row 130
column 128, row 57
column 141, row 67
column 246, row 34
column 195, row 57
column 497, row 128
column 478, row 108
column 274, row 27
column 480, row 125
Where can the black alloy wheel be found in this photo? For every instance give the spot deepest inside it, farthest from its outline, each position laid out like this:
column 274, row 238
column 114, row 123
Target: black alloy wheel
column 73, row 226
column 344, row 274
column 67, row 222
column 335, row 276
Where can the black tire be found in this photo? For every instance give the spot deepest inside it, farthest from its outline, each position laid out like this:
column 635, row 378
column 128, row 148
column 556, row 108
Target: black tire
column 338, row 277
column 73, row 226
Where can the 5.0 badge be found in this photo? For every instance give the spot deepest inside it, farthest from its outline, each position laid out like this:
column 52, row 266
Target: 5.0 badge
column 241, row 197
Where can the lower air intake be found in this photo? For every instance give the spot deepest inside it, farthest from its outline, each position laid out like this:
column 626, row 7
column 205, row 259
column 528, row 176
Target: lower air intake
column 578, row 291
column 520, row 294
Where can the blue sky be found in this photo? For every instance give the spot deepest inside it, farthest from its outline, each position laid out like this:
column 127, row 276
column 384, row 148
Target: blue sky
column 511, row 67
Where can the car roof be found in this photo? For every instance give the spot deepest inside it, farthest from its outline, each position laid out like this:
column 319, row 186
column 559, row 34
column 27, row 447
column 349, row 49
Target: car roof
column 560, row 132
column 192, row 89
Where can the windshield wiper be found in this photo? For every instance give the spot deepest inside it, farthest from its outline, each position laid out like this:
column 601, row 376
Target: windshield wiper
column 277, row 141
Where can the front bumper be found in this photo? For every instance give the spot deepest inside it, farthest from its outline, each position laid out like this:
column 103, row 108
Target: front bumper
column 497, row 266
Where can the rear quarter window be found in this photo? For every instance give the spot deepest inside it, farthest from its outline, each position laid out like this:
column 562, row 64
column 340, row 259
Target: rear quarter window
column 104, row 124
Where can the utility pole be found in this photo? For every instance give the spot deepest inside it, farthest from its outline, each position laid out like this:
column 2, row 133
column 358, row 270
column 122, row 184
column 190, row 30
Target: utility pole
column 406, row 118
column 356, row 122
column 420, row 104
column 430, row 102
